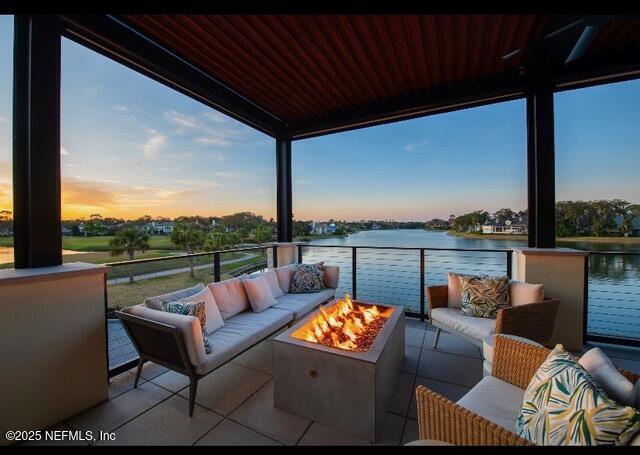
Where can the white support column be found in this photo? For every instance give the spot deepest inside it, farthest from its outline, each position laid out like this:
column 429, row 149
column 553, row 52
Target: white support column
column 562, row 271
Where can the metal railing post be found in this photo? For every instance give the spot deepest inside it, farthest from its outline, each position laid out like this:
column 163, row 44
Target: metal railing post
column 216, row 267
column 299, row 254
column 275, row 256
column 509, row 264
column 354, row 267
column 422, row 283
column 585, row 310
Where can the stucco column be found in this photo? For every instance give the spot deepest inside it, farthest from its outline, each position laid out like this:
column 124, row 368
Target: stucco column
column 287, row 253
column 562, row 271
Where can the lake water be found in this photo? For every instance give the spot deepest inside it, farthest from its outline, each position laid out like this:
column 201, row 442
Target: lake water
column 393, row 276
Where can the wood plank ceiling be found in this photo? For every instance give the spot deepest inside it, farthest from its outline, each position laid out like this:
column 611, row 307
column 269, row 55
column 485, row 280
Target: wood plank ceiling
column 300, row 67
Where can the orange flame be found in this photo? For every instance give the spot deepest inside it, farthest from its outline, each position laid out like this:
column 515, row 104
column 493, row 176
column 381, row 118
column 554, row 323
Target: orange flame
column 345, row 325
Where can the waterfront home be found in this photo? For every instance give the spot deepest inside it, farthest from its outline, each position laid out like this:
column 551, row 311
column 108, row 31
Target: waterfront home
column 516, row 225
column 159, row 228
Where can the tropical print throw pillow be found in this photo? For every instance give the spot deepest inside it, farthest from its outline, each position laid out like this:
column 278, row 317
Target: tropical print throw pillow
column 307, row 278
column 563, row 405
column 483, row 296
column 191, row 309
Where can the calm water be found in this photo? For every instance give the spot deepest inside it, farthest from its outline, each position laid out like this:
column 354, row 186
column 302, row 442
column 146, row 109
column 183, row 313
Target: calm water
column 391, row 276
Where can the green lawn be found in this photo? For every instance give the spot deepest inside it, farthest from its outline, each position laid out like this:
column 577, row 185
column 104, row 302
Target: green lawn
column 157, row 242
column 127, row 294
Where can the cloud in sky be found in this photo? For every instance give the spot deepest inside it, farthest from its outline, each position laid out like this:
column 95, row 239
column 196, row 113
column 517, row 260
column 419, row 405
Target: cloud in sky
column 415, row 146
column 4, row 119
column 153, row 144
column 120, row 108
column 63, row 151
column 213, row 140
column 183, row 122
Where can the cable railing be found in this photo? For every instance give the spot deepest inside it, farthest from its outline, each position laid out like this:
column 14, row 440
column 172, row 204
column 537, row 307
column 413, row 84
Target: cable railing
column 388, row 275
column 613, row 308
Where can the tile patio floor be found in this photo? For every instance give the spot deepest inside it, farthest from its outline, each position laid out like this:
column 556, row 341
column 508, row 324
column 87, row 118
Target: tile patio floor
column 235, row 403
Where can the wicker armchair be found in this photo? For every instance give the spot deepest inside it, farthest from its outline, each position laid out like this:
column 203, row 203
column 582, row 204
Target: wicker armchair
column 442, row 419
column 534, row 321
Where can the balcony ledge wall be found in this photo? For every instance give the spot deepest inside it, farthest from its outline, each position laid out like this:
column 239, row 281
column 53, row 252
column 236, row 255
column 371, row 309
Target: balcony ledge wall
column 53, row 349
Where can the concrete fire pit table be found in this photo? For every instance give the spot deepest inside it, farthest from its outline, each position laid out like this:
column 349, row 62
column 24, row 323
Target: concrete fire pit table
column 342, row 389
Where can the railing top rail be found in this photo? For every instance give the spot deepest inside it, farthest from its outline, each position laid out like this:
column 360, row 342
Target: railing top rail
column 408, row 248
column 183, row 256
column 616, row 253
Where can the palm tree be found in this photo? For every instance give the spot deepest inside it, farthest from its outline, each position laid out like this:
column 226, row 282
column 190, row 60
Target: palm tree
column 189, row 237
column 129, row 240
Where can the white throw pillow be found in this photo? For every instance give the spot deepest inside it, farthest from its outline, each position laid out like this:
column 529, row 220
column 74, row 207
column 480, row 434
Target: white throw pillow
column 230, row 296
column 214, row 317
column 272, row 279
column 259, row 293
column 521, row 293
column 604, row 372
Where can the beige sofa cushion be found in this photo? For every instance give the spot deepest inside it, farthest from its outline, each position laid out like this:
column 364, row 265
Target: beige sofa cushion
column 241, row 332
column 274, row 285
column 214, row 317
column 521, row 293
column 284, row 274
column 230, row 296
column 476, row 328
column 495, row 400
column 301, row 304
column 156, row 302
column 331, row 276
column 454, row 290
column 604, row 372
column 189, row 326
column 259, row 293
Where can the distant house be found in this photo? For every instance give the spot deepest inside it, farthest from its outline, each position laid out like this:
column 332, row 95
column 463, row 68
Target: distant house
column 516, row 225
column 66, row 231
column 635, row 226
column 323, row 228
column 157, row 228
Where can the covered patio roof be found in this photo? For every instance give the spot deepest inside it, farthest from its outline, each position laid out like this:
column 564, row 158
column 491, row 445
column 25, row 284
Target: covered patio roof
column 303, row 75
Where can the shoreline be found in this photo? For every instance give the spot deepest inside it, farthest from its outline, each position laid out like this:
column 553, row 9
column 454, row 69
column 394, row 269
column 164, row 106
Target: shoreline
column 523, row 238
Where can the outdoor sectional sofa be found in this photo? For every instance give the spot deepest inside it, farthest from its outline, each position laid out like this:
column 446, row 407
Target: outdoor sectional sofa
column 176, row 341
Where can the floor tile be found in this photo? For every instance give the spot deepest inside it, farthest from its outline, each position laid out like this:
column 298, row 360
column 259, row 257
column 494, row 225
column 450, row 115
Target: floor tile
column 413, row 337
column 230, row 433
column 452, row 345
column 318, row 435
column 112, row 413
column 452, row 368
column 259, row 357
column 172, row 380
column 451, row 391
column 49, row 438
column 415, row 323
column 411, row 358
column 259, row 414
column 166, row 424
column 402, row 391
column 150, row 370
column 410, row 432
column 226, row 388
column 391, row 432
column 121, row 384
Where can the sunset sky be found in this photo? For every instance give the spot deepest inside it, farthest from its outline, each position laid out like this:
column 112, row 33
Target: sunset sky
column 131, row 146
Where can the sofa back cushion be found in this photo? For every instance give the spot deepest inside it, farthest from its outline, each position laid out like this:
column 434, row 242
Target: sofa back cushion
column 155, row 303
column 454, row 291
column 214, row 317
column 521, row 293
column 274, row 285
column 230, row 296
column 563, row 405
column 284, row 274
column 259, row 293
column 608, row 377
column 331, row 276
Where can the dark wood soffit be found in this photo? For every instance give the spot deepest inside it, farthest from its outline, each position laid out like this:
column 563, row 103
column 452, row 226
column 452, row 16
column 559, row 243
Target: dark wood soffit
column 305, row 67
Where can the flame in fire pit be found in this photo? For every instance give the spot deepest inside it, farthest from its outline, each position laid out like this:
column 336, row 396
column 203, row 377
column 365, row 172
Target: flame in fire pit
column 349, row 326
